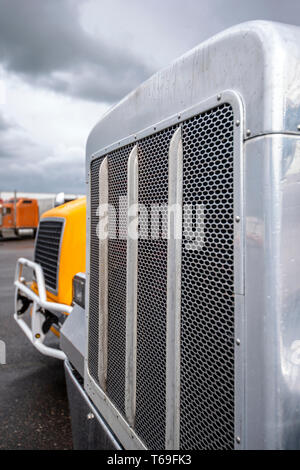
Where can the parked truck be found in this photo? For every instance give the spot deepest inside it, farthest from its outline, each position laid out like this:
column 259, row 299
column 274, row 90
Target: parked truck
column 185, row 330
column 17, row 215
column 44, row 286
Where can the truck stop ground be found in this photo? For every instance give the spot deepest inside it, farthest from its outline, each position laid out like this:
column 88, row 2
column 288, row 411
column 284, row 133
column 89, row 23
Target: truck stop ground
column 34, row 410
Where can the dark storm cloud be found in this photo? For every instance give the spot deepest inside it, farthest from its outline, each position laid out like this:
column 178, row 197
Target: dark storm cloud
column 28, row 177
column 15, row 143
column 30, row 166
column 4, row 124
column 45, row 44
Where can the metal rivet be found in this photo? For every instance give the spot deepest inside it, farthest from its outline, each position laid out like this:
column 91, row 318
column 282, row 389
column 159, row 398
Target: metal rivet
column 154, row 128
column 238, row 440
column 237, row 219
column 37, row 335
column 178, row 116
column 90, row 416
column 237, row 123
column 248, row 133
column 238, row 341
column 218, row 97
column 298, row 127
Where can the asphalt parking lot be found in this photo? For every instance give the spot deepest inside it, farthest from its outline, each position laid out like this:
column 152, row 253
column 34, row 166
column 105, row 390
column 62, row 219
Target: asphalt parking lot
column 34, row 410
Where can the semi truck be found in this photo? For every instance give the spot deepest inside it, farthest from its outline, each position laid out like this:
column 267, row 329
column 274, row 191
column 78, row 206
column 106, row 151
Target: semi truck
column 184, row 330
column 17, row 215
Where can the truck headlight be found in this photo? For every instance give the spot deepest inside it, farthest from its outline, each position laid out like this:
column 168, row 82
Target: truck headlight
column 79, row 289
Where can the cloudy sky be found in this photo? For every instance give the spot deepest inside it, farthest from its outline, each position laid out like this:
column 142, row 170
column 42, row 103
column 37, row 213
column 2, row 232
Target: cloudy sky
column 64, row 62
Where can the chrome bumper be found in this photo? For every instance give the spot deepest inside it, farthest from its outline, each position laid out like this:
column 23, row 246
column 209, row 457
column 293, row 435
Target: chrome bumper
column 35, row 333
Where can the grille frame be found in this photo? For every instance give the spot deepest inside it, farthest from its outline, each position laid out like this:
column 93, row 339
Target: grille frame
column 127, row 436
column 63, row 222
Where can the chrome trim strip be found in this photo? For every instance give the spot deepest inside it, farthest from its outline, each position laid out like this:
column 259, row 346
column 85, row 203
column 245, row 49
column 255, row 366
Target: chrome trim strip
column 174, row 292
column 103, row 272
column 131, row 302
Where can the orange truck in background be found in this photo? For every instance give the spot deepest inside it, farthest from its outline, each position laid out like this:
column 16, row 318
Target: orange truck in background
column 17, row 214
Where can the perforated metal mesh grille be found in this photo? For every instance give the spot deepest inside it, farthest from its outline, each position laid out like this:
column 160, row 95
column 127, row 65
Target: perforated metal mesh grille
column 207, row 316
column 117, row 267
column 47, row 247
column 152, row 294
column 93, row 333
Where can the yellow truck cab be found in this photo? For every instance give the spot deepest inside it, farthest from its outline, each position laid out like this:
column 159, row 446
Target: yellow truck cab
column 44, row 287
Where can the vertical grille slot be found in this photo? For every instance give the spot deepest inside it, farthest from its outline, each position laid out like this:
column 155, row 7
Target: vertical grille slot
column 93, row 333
column 152, row 295
column 117, row 264
column 117, row 268
column 207, row 310
column 47, row 250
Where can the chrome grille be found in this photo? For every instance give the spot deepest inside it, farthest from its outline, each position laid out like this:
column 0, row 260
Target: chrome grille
column 47, row 250
column 207, row 310
column 207, row 292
